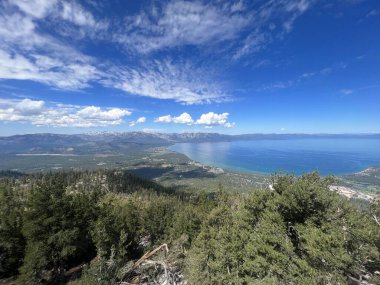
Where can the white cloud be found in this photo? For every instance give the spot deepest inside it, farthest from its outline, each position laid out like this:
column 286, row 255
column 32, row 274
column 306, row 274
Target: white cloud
column 229, row 125
column 214, row 119
column 40, row 113
column 29, row 107
column 92, row 112
column 164, row 119
column 181, row 119
column 184, row 118
column 183, row 82
column 208, row 120
column 140, row 120
column 17, row 30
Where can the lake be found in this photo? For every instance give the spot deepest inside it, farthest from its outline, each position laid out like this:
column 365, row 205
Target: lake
column 328, row 156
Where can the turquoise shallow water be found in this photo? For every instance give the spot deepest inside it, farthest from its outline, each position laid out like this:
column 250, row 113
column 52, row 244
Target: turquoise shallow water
column 328, row 156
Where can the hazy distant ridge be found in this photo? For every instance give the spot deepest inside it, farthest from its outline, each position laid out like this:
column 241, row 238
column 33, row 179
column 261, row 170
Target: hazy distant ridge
column 128, row 141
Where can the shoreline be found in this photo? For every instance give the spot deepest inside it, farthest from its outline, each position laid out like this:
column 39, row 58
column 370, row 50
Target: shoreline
column 340, row 188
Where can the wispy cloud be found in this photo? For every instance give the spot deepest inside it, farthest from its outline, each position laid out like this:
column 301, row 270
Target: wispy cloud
column 181, row 82
column 41, row 113
column 240, row 27
column 28, row 54
column 303, row 77
column 358, row 90
column 69, row 11
column 35, row 8
column 180, row 23
column 74, row 13
column 232, row 28
column 208, row 120
column 346, row 91
column 276, row 85
column 56, row 72
column 269, row 22
column 373, row 13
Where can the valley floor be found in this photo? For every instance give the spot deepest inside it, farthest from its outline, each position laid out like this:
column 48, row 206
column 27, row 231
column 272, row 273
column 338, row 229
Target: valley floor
column 176, row 170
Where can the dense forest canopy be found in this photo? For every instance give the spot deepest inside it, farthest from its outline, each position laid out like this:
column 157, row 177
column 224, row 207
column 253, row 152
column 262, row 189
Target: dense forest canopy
column 103, row 221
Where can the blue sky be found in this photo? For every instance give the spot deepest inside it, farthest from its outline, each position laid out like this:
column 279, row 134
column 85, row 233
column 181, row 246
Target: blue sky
column 281, row 66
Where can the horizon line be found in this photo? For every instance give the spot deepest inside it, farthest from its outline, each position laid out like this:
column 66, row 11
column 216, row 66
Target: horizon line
column 215, row 133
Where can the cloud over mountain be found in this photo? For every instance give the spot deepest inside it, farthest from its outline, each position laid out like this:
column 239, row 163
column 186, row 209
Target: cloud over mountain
column 40, row 113
column 207, row 120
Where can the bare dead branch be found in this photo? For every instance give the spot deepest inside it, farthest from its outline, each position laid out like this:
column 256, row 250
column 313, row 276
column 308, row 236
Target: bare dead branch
column 376, row 219
column 149, row 254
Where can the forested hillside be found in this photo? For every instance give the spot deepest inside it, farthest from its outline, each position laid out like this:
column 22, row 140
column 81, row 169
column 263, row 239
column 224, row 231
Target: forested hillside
column 109, row 227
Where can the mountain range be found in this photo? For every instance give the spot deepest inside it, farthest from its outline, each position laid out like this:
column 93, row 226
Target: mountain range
column 107, row 142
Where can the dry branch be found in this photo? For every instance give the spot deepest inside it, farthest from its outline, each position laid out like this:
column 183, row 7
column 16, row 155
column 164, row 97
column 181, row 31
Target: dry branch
column 169, row 276
column 149, row 254
column 376, row 219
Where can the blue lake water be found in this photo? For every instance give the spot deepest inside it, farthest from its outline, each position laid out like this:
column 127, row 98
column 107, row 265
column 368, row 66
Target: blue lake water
column 328, row 156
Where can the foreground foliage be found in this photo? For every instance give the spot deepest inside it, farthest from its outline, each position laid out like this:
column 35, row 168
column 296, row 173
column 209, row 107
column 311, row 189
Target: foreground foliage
column 299, row 233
